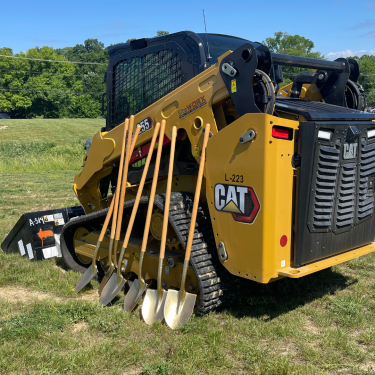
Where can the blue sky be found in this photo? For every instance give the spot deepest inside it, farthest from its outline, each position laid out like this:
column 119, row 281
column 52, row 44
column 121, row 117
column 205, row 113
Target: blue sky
column 337, row 27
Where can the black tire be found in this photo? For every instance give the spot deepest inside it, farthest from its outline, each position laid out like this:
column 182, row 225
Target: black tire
column 67, row 235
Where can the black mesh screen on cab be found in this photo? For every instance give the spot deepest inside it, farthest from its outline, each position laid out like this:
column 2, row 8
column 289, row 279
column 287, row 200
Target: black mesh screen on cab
column 141, row 81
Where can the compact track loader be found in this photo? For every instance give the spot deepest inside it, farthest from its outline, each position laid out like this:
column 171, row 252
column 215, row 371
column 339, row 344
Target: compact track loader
column 207, row 172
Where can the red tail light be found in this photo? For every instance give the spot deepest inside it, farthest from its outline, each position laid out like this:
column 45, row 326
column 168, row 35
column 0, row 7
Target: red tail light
column 282, row 132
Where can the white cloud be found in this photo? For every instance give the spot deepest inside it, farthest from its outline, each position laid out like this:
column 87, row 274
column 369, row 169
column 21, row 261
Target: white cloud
column 349, row 52
column 362, row 25
column 369, row 35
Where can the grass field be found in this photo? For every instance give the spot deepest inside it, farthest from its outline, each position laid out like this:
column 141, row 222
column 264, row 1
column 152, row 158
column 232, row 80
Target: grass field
column 321, row 324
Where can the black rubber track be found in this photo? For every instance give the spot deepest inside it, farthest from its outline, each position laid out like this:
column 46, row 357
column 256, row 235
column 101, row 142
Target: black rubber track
column 217, row 287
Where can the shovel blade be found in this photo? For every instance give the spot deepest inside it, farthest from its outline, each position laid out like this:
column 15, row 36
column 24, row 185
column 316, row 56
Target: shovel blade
column 86, row 277
column 104, row 281
column 176, row 312
column 134, row 294
column 111, row 289
column 152, row 307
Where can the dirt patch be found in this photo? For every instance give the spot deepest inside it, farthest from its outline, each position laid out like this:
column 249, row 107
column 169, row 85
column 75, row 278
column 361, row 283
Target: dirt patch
column 21, row 294
column 133, row 370
column 79, row 327
column 4, row 127
column 26, row 296
column 59, row 268
column 310, row 327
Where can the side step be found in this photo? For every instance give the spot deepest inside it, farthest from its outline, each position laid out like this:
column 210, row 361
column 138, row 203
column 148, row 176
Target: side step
column 37, row 234
column 295, row 273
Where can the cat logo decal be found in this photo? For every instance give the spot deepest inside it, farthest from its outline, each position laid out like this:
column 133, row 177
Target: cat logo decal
column 240, row 201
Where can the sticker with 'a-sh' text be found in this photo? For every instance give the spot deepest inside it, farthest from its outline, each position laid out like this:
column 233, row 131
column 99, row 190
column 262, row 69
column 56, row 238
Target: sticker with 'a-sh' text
column 233, row 85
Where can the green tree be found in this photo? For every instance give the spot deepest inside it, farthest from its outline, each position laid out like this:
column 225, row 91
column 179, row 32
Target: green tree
column 90, row 76
column 31, row 77
column 367, row 77
column 162, row 32
column 297, row 45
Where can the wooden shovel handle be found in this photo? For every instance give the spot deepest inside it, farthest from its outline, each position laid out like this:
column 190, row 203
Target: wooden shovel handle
column 106, row 222
column 168, row 194
column 129, row 152
column 197, row 193
column 140, row 190
column 153, row 187
column 119, row 178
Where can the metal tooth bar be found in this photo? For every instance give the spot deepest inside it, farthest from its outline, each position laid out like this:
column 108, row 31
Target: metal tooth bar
column 345, row 201
column 345, row 210
column 344, row 217
column 323, row 210
column 362, row 186
column 361, row 216
column 325, row 177
column 322, row 223
column 366, row 161
column 328, row 164
column 342, row 224
column 362, row 191
column 364, row 179
column 366, row 202
column 323, row 170
column 365, row 208
column 329, row 157
column 329, row 149
column 326, row 204
column 366, row 167
column 322, row 217
column 349, row 165
column 326, row 184
column 367, row 172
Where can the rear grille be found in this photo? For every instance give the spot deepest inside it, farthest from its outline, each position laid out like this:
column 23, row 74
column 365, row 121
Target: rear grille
column 341, row 198
column 346, row 196
column 336, row 189
column 328, row 163
column 367, row 168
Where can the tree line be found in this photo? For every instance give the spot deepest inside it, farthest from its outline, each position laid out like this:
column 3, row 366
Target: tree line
column 30, row 88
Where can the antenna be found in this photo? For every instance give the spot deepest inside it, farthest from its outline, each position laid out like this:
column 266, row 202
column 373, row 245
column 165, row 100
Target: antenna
column 208, row 47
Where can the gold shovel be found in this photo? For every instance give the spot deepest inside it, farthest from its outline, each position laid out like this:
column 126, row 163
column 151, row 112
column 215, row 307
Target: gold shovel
column 153, row 304
column 116, row 281
column 91, row 272
column 139, row 285
column 179, row 305
column 119, row 205
column 116, row 199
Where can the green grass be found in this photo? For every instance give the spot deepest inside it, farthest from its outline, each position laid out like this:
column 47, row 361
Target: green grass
column 321, row 324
